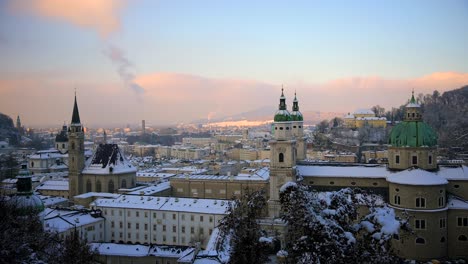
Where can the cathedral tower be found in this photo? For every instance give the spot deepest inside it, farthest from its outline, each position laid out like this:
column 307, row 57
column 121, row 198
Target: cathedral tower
column 75, row 153
column 282, row 155
column 412, row 143
column 298, row 129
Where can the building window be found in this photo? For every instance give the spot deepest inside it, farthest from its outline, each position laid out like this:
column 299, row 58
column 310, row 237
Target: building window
column 201, row 218
column 183, row 229
column 442, row 240
column 420, row 202
column 128, row 213
column 430, row 159
column 332, row 182
column 137, row 225
column 173, row 216
column 192, row 230
column 120, row 224
column 211, row 219
column 281, row 157
column 88, row 186
column 164, row 228
column 420, row 240
column 98, row 186
column 420, row 224
column 353, row 183
column 112, row 224
column 183, row 217
column 146, row 227
column 137, row 214
column 174, row 228
column 124, row 183
column 441, row 202
column 154, row 227
column 192, row 218
column 456, row 186
column 397, row 199
column 110, row 186
column 414, row 160
column 146, row 214
column 129, row 225
column 462, row 238
column 174, row 239
column 462, row 221
column 442, row 223
column 154, row 215
column 397, row 159
column 129, row 236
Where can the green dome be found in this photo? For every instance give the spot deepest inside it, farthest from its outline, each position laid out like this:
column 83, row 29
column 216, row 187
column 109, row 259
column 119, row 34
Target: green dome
column 412, row 134
column 296, row 116
column 282, row 116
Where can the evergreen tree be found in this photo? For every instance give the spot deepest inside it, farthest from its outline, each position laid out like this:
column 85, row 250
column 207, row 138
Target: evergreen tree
column 240, row 225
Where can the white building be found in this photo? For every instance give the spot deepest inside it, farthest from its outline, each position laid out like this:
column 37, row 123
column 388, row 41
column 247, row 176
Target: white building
column 160, row 220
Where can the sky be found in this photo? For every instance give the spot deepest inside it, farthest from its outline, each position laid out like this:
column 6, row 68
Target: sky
column 177, row 61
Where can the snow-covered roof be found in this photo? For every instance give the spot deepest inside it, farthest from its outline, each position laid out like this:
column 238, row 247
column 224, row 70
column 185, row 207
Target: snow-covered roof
column 350, row 116
column 108, row 159
column 416, row 177
column 454, row 173
column 155, row 174
column 53, row 185
column 151, row 190
column 259, row 175
column 112, row 249
column 364, row 112
column 367, row 118
column 52, row 200
column 456, row 203
column 97, row 194
column 63, row 220
column 343, row 171
column 206, row 206
column 413, row 105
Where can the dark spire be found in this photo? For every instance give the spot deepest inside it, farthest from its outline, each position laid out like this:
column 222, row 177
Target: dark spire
column 295, row 103
column 76, row 114
column 413, row 101
column 282, row 105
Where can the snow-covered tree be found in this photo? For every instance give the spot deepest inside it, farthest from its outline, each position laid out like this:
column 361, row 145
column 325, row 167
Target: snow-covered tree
column 248, row 244
column 325, row 227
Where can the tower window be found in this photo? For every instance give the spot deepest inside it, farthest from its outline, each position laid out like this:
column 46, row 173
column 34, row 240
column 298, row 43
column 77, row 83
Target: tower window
column 73, row 145
column 413, row 115
column 111, row 186
column 397, row 159
column 397, row 199
column 281, row 128
column 462, row 221
column 430, row 159
column 281, row 157
column 442, row 240
column 63, row 145
column 442, row 223
column 462, row 238
column 441, row 201
column 287, row 128
column 415, row 160
column 294, row 126
column 420, row 202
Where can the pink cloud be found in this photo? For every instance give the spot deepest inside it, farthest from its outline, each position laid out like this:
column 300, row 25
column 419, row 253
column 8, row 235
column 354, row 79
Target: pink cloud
column 173, row 98
column 100, row 15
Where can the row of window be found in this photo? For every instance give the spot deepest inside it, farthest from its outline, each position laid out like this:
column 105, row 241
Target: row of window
column 174, row 216
column 420, row 202
column 421, row 223
column 221, row 191
column 414, row 159
column 137, row 235
column 422, row 241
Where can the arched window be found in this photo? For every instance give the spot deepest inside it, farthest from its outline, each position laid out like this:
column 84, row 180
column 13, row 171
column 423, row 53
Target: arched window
column 397, row 199
column 63, row 145
column 32, row 164
column 420, row 240
column 110, row 187
column 98, row 186
column 441, row 201
column 442, row 240
column 73, row 145
column 415, row 160
column 124, row 183
column 430, row 159
column 281, row 157
column 462, row 238
column 88, row 186
column 420, row 202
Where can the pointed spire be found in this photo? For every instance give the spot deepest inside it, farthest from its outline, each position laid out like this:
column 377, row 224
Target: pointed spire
column 295, row 103
column 76, row 114
column 413, row 101
column 282, row 105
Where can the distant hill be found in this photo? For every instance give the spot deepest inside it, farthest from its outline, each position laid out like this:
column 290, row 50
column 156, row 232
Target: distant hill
column 266, row 113
column 448, row 115
column 8, row 130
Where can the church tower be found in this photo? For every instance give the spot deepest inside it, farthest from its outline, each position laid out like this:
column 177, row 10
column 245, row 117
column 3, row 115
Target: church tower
column 412, row 143
column 298, row 130
column 282, row 156
column 75, row 153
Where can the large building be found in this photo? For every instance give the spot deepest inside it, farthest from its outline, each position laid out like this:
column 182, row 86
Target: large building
column 434, row 197
column 364, row 117
column 106, row 171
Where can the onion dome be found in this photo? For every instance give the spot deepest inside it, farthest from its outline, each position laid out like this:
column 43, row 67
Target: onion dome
column 296, row 115
column 413, row 131
column 24, row 200
column 63, row 135
column 282, row 115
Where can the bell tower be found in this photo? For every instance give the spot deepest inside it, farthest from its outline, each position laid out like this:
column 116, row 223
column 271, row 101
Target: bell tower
column 282, row 156
column 75, row 153
column 298, row 129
